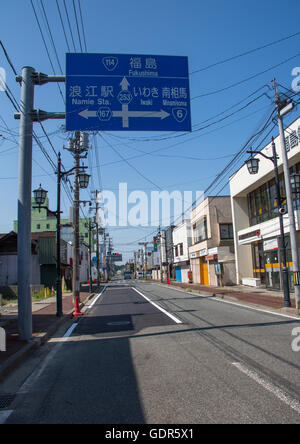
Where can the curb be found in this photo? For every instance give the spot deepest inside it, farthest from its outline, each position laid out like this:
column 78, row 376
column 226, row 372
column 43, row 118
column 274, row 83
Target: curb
column 16, row 359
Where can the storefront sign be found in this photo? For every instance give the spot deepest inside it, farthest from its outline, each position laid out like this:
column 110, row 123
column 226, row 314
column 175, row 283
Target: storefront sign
column 270, row 244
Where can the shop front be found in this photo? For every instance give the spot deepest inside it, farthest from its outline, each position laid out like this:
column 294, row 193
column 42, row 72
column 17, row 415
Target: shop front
column 268, row 262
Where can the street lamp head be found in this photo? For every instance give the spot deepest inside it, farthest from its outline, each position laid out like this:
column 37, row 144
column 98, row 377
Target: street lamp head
column 253, row 165
column 40, row 195
column 84, row 179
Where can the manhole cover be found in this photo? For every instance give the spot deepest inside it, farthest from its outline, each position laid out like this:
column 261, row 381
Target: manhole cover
column 118, row 323
column 6, row 399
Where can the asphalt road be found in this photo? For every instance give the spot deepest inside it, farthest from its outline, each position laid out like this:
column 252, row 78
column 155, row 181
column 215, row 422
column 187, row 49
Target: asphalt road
column 128, row 362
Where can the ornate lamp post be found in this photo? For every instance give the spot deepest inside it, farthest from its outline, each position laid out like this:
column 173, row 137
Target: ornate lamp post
column 253, row 167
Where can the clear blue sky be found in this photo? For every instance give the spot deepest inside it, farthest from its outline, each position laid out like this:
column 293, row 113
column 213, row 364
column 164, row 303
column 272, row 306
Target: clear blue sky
column 206, row 32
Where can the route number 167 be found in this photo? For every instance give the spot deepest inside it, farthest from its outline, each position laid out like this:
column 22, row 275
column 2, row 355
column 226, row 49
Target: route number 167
column 104, row 113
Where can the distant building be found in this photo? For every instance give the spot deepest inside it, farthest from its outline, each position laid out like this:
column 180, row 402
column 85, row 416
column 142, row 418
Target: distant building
column 212, row 250
column 45, row 221
column 182, row 240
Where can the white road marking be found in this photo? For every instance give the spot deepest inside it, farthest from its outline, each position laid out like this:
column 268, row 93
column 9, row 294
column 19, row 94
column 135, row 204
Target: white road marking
column 234, row 303
column 96, row 299
column 4, row 415
column 280, row 394
column 159, row 307
column 71, row 329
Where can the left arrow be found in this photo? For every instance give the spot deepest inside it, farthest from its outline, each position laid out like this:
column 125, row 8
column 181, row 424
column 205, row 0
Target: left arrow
column 86, row 114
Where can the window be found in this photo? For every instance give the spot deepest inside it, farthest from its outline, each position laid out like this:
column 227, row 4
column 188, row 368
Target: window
column 86, row 235
column 176, row 251
column 200, row 231
column 48, row 226
column 181, row 249
column 38, row 227
column 226, row 231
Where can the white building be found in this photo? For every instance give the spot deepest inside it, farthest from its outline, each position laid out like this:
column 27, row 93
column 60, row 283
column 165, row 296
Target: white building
column 182, row 240
column 255, row 215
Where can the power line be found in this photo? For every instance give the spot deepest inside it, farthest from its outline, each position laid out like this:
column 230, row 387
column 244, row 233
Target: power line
column 78, row 32
column 247, row 79
column 70, row 27
column 229, row 59
column 63, row 25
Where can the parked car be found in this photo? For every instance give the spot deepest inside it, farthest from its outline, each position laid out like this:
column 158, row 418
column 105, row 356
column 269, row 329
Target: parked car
column 140, row 275
column 127, row 275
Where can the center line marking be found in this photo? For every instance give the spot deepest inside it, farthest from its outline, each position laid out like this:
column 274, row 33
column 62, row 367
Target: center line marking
column 159, row 307
column 280, row 394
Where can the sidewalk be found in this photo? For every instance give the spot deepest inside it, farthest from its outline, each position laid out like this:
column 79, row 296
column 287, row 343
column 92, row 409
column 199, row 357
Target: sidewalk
column 45, row 323
column 252, row 296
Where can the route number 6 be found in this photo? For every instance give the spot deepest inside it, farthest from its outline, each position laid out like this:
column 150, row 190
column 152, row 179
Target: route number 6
column 179, row 114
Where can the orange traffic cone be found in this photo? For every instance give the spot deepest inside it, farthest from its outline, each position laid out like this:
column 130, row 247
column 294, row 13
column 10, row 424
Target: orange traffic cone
column 77, row 311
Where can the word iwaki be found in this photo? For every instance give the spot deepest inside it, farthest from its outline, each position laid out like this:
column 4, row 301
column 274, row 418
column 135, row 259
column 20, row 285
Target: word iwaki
column 2, row 340
column 2, row 79
column 296, row 341
column 141, row 209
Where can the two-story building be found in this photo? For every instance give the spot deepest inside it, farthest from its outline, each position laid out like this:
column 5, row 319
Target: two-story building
column 182, row 240
column 212, row 251
column 255, row 215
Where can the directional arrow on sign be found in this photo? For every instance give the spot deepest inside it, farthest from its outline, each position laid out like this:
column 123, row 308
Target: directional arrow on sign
column 124, row 84
column 125, row 114
column 86, row 114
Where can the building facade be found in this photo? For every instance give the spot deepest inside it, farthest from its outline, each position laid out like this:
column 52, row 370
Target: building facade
column 255, row 216
column 212, row 251
column 182, row 240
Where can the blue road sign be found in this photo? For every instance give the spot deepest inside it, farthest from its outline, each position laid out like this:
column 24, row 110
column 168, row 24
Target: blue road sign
column 122, row 92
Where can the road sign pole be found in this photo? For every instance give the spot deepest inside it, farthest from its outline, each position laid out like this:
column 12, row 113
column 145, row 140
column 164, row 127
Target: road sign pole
column 24, row 204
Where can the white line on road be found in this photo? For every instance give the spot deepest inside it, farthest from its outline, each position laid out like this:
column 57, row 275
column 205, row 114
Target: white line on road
column 71, row 329
column 4, row 415
column 280, row 394
column 159, row 307
column 96, row 299
column 223, row 301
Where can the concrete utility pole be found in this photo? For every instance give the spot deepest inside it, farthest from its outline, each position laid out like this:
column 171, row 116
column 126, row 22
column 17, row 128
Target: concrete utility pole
column 97, row 238
column 27, row 116
column 77, row 146
column 24, row 204
column 104, row 256
column 145, row 256
column 282, row 109
column 160, row 253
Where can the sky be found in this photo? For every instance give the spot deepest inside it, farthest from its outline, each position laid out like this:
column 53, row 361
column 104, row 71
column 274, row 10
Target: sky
column 207, row 33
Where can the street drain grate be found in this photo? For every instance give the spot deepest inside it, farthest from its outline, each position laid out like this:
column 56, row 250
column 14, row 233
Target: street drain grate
column 6, row 399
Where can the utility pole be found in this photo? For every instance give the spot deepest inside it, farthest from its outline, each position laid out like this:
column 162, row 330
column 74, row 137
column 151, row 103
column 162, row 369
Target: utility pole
column 28, row 79
column 24, row 204
column 77, row 146
column 160, row 253
column 145, row 256
column 90, row 257
column 283, row 108
column 104, row 256
column 59, row 310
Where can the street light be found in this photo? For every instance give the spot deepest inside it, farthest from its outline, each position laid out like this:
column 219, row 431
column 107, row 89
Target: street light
column 253, row 167
column 40, row 196
column 84, row 179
